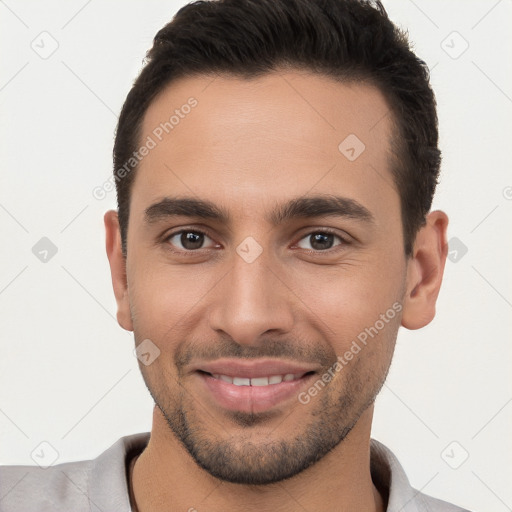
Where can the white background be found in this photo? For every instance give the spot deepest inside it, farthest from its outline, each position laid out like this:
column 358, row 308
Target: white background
column 68, row 375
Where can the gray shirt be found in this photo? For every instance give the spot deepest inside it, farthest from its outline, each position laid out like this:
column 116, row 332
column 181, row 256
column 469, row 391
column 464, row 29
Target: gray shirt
column 101, row 484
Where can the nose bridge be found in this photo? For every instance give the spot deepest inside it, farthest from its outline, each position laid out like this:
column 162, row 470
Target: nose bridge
column 251, row 299
column 253, row 282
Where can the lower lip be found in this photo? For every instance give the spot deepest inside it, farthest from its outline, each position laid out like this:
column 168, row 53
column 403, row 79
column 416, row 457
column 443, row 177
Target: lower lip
column 252, row 399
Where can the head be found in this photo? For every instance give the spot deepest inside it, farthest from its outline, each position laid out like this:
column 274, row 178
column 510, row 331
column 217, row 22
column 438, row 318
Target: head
column 275, row 220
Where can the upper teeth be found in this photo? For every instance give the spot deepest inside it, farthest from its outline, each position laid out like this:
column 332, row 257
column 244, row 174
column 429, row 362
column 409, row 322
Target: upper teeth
column 258, row 381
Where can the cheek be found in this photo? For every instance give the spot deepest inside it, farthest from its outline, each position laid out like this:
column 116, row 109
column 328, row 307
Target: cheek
column 164, row 299
column 358, row 302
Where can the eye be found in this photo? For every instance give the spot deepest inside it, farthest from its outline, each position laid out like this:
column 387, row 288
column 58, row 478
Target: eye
column 189, row 239
column 320, row 241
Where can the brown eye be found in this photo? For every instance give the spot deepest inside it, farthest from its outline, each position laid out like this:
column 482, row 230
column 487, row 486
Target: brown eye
column 188, row 240
column 319, row 241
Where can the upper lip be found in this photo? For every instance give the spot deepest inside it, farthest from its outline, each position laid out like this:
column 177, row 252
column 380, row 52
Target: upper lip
column 255, row 368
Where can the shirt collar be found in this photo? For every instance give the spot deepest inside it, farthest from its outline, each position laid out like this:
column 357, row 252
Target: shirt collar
column 108, row 484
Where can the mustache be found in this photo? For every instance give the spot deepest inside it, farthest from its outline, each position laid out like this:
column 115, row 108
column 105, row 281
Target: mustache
column 295, row 350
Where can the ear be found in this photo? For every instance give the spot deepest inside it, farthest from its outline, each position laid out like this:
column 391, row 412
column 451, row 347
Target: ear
column 118, row 269
column 425, row 272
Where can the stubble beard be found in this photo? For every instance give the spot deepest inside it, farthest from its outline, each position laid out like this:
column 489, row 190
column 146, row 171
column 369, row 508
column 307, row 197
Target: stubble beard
column 250, row 456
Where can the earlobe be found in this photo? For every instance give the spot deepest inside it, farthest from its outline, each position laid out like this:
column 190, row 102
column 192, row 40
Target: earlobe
column 425, row 272
column 117, row 269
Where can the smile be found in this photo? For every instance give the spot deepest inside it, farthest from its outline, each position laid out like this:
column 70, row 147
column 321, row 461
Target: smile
column 258, row 381
column 252, row 386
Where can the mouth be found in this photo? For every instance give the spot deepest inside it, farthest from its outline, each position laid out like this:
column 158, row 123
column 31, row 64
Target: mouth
column 252, row 387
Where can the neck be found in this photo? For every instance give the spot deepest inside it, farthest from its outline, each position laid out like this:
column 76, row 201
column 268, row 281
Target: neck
column 165, row 477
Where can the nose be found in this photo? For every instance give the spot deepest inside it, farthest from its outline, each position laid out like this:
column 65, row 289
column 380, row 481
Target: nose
column 250, row 301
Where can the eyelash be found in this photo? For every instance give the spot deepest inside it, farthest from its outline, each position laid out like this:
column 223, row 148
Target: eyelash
column 344, row 241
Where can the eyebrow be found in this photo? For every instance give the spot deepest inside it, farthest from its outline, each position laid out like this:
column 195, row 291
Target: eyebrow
column 301, row 207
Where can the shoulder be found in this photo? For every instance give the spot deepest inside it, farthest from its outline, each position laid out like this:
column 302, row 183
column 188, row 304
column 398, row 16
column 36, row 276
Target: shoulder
column 390, row 478
column 97, row 484
column 430, row 504
column 60, row 487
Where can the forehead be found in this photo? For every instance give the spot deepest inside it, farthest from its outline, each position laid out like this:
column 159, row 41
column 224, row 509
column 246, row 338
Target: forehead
column 284, row 133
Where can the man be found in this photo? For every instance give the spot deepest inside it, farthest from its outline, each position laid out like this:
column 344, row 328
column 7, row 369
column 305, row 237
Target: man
column 275, row 164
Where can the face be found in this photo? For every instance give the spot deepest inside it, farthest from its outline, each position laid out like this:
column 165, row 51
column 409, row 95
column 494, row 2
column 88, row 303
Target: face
column 264, row 247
